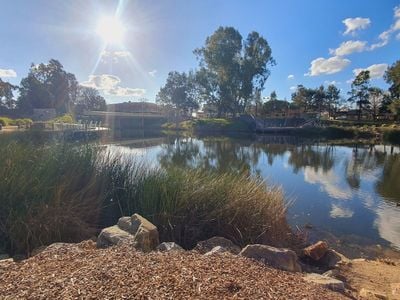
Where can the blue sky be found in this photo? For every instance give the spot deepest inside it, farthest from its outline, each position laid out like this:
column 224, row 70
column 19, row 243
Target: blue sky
column 305, row 36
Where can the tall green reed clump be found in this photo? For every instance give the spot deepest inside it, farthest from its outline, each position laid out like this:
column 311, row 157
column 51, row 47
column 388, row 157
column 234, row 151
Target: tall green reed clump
column 61, row 192
column 189, row 205
column 47, row 193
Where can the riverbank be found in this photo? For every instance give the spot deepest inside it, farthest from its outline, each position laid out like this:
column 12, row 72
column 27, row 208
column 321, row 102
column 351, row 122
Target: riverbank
column 328, row 130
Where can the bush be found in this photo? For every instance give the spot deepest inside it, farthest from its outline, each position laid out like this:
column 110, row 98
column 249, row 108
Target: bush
column 61, row 192
column 67, row 118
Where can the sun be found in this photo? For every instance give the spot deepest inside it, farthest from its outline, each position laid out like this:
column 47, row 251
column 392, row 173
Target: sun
column 111, row 30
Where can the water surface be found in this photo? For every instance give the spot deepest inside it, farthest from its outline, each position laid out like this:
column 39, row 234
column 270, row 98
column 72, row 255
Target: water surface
column 348, row 194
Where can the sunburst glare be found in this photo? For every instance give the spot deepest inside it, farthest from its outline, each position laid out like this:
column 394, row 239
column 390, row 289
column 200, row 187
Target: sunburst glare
column 111, row 30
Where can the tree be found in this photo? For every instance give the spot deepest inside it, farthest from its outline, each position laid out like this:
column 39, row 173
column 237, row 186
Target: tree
column 319, row 98
column 303, row 97
column 89, row 99
column 6, row 95
column 375, row 100
column 273, row 96
column 395, row 107
column 48, row 86
column 359, row 93
column 180, row 91
column 333, row 98
column 236, row 68
column 392, row 77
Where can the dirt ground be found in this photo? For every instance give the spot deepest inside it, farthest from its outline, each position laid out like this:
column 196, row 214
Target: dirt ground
column 380, row 276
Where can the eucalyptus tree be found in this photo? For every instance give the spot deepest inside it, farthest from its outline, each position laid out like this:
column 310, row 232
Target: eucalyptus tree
column 233, row 69
column 180, row 92
column 332, row 98
column 7, row 100
column 359, row 93
column 48, row 86
column 376, row 98
column 392, row 77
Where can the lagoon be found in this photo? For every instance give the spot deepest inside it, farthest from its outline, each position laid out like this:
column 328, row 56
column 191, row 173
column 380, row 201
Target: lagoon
column 347, row 192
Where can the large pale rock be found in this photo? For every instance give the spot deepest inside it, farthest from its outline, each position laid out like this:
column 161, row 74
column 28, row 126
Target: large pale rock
column 169, row 246
column 316, row 251
column 113, row 236
column 395, row 287
column 216, row 250
column 146, row 234
column 208, row 245
column 325, row 281
column 279, row 258
column 134, row 230
column 369, row 294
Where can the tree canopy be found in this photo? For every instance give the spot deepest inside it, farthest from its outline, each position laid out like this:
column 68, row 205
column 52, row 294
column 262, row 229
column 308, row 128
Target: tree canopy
column 48, row 86
column 392, row 77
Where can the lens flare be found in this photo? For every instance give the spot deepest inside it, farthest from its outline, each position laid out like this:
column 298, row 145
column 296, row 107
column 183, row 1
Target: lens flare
column 111, row 30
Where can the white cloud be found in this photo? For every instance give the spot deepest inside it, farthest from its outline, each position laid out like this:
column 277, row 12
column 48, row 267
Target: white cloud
column 293, row 88
column 327, row 82
column 398, row 36
column 355, row 24
column 321, row 66
column 384, row 37
column 375, row 71
column 384, row 40
column 291, row 76
column 110, row 85
column 124, row 92
column 330, row 182
column 338, row 211
column 113, row 56
column 4, row 73
column 102, row 82
column 349, row 47
column 153, row 73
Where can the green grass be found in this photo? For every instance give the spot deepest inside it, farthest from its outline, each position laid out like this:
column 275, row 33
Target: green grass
column 233, row 125
column 62, row 192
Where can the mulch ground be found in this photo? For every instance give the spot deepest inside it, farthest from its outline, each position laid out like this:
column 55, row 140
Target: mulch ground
column 81, row 271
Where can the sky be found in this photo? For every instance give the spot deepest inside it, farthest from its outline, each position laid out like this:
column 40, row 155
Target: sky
column 125, row 49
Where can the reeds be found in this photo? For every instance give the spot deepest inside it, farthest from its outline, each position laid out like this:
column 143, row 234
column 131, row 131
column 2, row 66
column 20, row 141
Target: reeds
column 64, row 192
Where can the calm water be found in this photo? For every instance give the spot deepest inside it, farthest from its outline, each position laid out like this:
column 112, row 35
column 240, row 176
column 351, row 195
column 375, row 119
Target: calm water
column 347, row 194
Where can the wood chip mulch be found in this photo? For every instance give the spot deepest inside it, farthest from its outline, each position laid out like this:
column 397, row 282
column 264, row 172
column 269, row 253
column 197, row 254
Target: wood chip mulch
column 81, row 271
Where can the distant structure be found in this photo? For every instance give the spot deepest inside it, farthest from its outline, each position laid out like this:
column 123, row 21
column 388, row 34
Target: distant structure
column 136, row 107
column 43, row 114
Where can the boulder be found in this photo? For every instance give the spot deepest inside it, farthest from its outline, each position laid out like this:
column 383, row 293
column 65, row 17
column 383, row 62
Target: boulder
column 369, row 294
column 216, row 250
column 279, row 258
column 208, row 245
column 331, row 259
column 169, row 246
column 113, row 236
column 316, row 251
column 325, row 281
column 134, row 230
column 146, row 234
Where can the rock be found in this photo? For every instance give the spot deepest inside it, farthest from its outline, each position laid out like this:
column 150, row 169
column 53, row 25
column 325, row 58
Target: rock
column 169, row 246
column 395, row 287
column 146, row 237
column 113, row 236
column 216, row 250
column 331, row 273
column 316, row 251
column 208, row 245
column 125, row 223
column 279, row 258
column 325, row 281
column 369, row 294
column 134, row 230
column 332, row 258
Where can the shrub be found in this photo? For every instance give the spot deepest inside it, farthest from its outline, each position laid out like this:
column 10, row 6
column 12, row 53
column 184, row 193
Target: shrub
column 67, row 118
